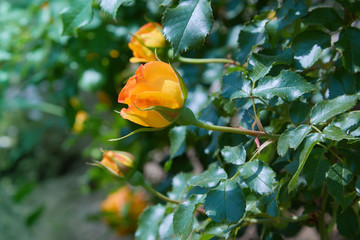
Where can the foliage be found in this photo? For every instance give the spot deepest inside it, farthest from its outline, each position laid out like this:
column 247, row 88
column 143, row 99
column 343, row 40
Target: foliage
column 276, row 101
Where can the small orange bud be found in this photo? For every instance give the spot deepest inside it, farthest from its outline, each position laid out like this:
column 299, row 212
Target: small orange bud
column 118, row 162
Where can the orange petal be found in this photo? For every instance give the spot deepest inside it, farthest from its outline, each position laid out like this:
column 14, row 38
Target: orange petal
column 149, row 99
column 144, row 118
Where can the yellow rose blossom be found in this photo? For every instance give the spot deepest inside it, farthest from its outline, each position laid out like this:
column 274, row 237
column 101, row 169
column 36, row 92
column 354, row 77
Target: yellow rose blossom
column 155, row 84
column 148, row 37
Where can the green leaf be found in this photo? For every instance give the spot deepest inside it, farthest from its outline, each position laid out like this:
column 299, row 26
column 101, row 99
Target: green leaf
column 180, row 185
column 335, row 133
column 350, row 47
column 310, row 141
column 290, row 11
column 260, row 64
column 357, row 187
column 271, row 204
column 324, row 17
column 347, row 223
column 177, row 141
column 184, row 217
column 287, row 85
column 292, row 138
column 149, row 222
column 111, row 6
column 216, row 229
column 253, row 204
column 349, row 123
column 298, row 112
column 235, row 85
column 258, row 176
column 336, row 179
column 315, row 168
column 226, row 202
column 308, row 46
column 327, row 109
column 251, row 35
column 77, row 15
column 162, row 2
column 209, row 178
column 166, row 227
column 188, row 24
column 235, row 155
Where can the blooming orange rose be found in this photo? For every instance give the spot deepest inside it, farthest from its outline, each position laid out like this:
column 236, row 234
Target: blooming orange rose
column 144, row 40
column 122, row 209
column 118, row 162
column 155, row 85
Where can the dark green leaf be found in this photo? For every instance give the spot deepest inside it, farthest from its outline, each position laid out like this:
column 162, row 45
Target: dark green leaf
column 111, row 6
column 327, row 17
column 221, row 202
column 235, row 85
column 180, row 184
column 251, row 35
column 235, row 155
column 308, row 46
column 260, row 64
column 335, row 133
column 162, row 2
column 336, row 179
column 149, row 222
column 342, row 83
column 349, row 123
column 216, row 229
column 327, row 109
column 209, row 178
column 271, row 204
column 188, row 24
column 177, row 141
column 350, row 47
column 347, row 223
column 287, row 85
column 258, row 176
column 357, row 187
column 77, row 15
column 290, row 11
column 292, row 138
column 253, row 204
column 310, row 141
column 298, row 112
column 315, row 168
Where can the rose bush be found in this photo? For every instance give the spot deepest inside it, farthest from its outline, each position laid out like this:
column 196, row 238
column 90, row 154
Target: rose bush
column 144, row 41
column 155, row 85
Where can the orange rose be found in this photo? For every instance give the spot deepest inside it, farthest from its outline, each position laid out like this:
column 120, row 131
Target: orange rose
column 144, row 41
column 122, row 209
column 155, row 95
column 118, row 162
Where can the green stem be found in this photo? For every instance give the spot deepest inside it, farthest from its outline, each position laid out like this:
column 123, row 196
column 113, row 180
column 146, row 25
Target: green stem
column 322, row 226
column 159, row 195
column 279, row 219
column 207, row 60
column 331, row 151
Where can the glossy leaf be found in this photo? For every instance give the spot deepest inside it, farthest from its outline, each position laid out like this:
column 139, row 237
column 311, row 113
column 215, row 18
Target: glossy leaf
column 327, row 109
column 166, row 227
column 316, row 167
column 180, row 185
column 235, row 85
column 350, row 47
column 357, row 187
column 287, row 85
column 308, row 46
column 209, row 178
column 221, row 201
column 298, row 112
column 235, row 155
column 260, row 64
column 336, row 179
column 335, row 133
column 327, row 17
column 289, row 11
column 111, row 6
column 75, row 16
column 251, row 35
column 188, row 24
column 310, row 141
column 177, row 141
column 292, row 138
column 184, row 219
column 349, row 123
column 258, row 176
column 149, row 222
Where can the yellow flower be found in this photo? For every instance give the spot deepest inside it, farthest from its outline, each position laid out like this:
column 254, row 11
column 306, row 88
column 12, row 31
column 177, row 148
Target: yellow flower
column 155, row 95
column 80, row 119
column 122, row 209
column 147, row 38
column 118, row 162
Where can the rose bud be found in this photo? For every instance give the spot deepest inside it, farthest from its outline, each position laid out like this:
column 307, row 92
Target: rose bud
column 144, row 42
column 118, row 162
column 155, row 95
